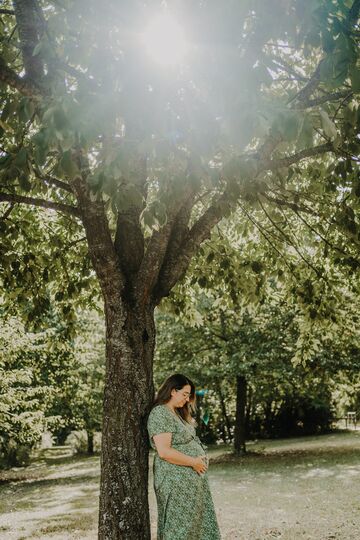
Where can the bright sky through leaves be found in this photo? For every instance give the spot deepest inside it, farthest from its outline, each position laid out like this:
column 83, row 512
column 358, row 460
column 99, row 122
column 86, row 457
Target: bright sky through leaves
column 165, row 41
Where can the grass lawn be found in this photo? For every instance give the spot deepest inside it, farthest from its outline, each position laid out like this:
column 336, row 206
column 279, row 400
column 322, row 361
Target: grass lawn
column 306, row 488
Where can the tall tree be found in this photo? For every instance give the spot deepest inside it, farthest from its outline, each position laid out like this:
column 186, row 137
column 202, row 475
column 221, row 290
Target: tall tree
column 146, row 160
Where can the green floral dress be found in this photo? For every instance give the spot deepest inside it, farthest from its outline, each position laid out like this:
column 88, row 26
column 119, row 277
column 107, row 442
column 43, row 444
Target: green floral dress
column 185, row 506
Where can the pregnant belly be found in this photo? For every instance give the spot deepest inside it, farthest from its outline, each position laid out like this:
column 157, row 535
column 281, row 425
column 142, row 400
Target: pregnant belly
column 192, row 448
column 167, row 475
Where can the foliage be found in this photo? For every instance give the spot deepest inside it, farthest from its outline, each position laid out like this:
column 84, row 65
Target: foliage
column 45, row 268
column 202, row 131
column 82, row 398
column 25, row 394
column 48, row 383
column 259, row 342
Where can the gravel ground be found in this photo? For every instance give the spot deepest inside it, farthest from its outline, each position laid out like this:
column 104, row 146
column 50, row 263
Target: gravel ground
column 306, row 488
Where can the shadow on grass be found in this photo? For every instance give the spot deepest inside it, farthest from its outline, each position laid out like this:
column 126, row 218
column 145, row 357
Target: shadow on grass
column 65, row 526
column 62, row 455
column 69, row 466
column 331, row 455
column 75, row 492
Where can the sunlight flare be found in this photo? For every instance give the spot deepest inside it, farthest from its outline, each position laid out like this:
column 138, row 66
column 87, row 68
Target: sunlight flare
column 165, row 41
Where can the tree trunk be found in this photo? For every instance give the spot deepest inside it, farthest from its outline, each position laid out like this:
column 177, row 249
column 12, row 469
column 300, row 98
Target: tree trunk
column 224, row 413
column 248, row 410
column 240, row 435
column 90, row 442
column 199, row 422
column 61, row 435
column 128, row 395
column 267, row 418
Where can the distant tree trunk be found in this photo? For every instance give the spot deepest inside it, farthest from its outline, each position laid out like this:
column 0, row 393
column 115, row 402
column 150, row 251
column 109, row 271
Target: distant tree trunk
column 61, row 435
column 200, row 424
column 248, row 410
column 90, row 442
column 128, row 395
column 268, row 417
column 224, row 413
column 240, row 436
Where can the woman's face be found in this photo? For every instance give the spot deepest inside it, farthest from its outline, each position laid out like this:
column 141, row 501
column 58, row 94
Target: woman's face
column 180, row 397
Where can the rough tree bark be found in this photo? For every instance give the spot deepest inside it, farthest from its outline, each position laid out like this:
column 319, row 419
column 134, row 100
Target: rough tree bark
column 128, row 395
column 129, row 391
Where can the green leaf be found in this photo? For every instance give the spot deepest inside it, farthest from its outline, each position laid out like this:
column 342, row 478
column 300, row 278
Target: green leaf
column 6, row 126
column 328, row 125
column 306, row 135
column 29, row 108
column 24, row 182
column 355, row 79
column 68, row 165
column 288, row 124
column 328, row 42
column 327, row 68
column 26, row 110
column 21, row 158
column 60, row 119
column 37, row 48
column 8, row 110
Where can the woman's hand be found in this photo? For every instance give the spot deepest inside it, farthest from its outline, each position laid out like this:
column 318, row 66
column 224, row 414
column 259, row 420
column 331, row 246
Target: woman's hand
column 199, row 465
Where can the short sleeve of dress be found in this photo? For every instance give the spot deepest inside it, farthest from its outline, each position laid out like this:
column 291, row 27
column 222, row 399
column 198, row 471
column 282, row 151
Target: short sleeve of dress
column 160, row 421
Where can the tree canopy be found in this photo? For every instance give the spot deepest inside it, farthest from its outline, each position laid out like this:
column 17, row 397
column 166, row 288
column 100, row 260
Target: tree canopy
column 111, row 158
column 262, row 89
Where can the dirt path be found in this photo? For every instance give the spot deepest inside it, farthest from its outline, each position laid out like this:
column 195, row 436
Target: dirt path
column 305, row 489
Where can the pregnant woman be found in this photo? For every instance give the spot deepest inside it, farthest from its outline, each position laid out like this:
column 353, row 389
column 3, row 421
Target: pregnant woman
column 185, row 506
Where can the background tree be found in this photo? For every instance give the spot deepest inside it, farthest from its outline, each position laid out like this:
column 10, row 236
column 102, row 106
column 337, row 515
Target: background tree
column 28, row 392
column 49, row 383
column 145, row 165
column 284, row 397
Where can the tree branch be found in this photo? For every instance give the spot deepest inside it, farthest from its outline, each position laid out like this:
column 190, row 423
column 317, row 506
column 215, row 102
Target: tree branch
column 24, row 86
column 328, row 97
column 7, row 212
column 175, row 268
column 303, row 95
column 294, row 206
column 72, row 210
column 274, row 164
column 288, row 240
column 164, row 245
column 353, row 13
column 129, row 238
column 281, row 63
column 29, row 33
column 158, row 248
column 179, row 232
column 48, row 179
column 101, row 248
column 261, row 230
column 201, row 230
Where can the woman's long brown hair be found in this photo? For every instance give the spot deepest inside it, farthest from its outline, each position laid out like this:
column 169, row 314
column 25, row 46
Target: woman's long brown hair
column 177, row 381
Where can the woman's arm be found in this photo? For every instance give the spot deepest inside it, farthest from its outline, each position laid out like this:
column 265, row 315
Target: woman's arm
column 166, row 452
